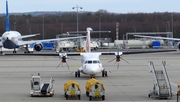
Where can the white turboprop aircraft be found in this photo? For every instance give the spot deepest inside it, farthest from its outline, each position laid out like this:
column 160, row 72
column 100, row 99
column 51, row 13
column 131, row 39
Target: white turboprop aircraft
column 13, row 39
column 91, row 64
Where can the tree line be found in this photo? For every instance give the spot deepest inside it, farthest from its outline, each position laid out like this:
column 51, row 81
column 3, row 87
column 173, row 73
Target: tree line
column 53, row 24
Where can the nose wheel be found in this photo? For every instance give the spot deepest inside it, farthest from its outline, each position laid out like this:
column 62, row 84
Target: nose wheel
column 104, row 73
column 14, row 51
column 77, row 73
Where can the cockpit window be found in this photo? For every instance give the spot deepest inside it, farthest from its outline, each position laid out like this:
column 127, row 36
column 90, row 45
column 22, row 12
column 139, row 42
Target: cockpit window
column 92, row 62
column 95, row 61
column 89, row 62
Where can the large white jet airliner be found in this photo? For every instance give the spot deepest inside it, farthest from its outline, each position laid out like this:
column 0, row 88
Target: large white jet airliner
column 13, row 39
column 91, row 64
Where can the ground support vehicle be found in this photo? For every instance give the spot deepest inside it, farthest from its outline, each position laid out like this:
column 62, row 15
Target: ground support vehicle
column 38, row 88
column 72, row 90
column 95, row 89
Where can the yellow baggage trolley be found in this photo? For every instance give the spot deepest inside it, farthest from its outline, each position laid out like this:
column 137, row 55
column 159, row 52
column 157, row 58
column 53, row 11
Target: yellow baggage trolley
column 95, row 89
column 72, row 90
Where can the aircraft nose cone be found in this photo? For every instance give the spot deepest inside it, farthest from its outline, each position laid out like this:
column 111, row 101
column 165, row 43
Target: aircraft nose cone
column 93, row 70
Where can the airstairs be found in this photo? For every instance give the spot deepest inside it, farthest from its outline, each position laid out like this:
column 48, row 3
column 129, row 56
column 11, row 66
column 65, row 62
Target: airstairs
column 162, row 87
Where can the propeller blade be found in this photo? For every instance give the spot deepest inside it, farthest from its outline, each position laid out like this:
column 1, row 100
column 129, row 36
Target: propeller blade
column 118, row 66
column 124, row 60
column 72, row 58
column 58, row 65
column 67, row 65
column 72, row 72
column 111, row 60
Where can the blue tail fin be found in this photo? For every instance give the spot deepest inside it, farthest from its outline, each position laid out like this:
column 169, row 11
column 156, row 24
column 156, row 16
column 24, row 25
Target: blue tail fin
column 7, row 18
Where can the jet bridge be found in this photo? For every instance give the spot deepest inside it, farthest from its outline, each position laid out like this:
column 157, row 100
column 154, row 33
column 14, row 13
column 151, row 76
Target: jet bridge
column 162, row 87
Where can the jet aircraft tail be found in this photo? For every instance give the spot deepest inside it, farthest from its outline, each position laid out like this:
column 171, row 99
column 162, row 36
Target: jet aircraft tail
column 7, row 18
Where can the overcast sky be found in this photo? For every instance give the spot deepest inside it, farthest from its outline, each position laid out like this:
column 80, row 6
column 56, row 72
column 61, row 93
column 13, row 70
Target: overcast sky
column 114, row 6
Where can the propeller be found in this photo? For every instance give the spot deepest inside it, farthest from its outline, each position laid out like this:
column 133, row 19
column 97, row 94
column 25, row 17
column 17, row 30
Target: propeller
column 63, row 57
column 118, row 58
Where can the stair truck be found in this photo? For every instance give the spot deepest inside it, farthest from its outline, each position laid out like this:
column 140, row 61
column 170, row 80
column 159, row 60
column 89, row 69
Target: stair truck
column 95, row 89
column 72, row 90
column 161, row 88
column 38, row 88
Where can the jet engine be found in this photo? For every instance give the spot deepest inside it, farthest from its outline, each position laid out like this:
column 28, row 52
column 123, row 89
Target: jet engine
column 38, row 47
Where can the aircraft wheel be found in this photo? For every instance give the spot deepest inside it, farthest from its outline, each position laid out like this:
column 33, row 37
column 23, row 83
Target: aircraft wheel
column 66, row 97
column 14, row 51
column 78, row 73
column 87, row 94
column 90, row 98
column 79, row 97
column 75, row 74
column 103, row 98
column 103, row 73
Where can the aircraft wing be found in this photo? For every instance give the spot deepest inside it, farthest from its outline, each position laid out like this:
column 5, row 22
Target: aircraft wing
column 156, row 37
column 46, row 40
column 101, row 53
column 27, row 36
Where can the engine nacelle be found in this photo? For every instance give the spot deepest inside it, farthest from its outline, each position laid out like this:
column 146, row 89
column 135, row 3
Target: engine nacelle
column 118, row 58
column 63, row 57
column 38, row 47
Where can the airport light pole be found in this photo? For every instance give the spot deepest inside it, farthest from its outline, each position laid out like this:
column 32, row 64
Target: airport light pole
column 43, row 25
column 77, row 7
column 61, row 27
column 100, row 26
column 168, row 27
column 14, row 25
column 172, row 25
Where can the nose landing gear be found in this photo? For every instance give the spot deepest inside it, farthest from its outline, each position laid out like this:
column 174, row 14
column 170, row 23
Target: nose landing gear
column 104, row 73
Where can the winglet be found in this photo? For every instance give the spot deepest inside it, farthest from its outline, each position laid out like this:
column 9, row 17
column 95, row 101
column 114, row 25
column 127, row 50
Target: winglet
column 7, row 18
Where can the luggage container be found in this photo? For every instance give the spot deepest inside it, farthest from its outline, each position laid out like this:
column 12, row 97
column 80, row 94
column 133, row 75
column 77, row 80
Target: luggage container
column 95, row 89
column 72, row 90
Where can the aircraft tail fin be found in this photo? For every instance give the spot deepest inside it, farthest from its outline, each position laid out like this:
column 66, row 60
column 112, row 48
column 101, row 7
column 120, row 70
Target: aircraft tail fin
column 88, row 37
column 88, row 40
column 7, row 18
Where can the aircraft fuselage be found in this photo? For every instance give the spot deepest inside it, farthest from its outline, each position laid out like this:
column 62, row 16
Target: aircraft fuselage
column 9, row 39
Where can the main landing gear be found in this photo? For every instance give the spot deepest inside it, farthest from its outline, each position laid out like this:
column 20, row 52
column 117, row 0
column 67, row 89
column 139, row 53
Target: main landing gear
column 104, row 73
column 28, row 49
column 77, row 73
